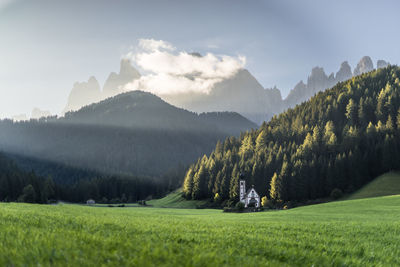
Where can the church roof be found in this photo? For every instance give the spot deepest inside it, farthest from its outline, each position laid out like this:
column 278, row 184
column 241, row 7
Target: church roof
column 248, row 191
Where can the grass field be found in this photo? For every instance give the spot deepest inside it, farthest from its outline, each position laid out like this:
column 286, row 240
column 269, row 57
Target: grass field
column 384, row 185
column 175, row 200
column 362, row 232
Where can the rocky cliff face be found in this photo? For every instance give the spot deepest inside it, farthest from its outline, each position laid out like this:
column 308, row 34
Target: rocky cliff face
column 86, row 93
column 83, row 93
column 344, row 72
column 317, row 81
column 365, row 65
column 115, row 82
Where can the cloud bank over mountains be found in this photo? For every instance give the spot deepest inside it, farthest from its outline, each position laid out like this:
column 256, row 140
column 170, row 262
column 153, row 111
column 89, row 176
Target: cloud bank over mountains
column 172, row 72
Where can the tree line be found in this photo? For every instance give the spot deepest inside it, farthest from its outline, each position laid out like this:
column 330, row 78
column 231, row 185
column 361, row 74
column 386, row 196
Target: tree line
column 337, row 141
column 18, row 184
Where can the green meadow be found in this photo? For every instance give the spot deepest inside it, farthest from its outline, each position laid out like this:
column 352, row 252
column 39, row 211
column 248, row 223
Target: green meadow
column 176, row 200
column 363, row 232
column 384, row 185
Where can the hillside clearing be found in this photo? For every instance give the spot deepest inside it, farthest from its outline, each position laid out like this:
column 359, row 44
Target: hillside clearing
column 176, row 200
column 384, row 185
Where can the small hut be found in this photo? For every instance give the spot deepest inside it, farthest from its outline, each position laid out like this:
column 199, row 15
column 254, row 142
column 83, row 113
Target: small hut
column 90, row 202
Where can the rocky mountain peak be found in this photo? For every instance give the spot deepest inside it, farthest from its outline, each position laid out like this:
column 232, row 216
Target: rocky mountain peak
column 344, row 72
column 115, row 82
column 83, row 93
column 365, row 65
column 381, row 64
column 127, row 69
column 317, row 79
column 93, row 81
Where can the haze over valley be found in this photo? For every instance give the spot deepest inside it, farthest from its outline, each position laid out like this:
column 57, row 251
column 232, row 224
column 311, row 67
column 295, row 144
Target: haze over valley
column 199, row 133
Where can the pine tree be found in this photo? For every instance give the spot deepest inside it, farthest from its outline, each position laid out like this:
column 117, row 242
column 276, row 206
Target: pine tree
column 260, row 141
column 283, row 182
column 28, row 194
column 188, row 183
column 329, row 135
column 246, row 149
column 224, row 190
column 361, row 112
column 398, row 119
column 351, row 112
column 370, row 128
column 316, row 137
column 274, row 187
column 380, row 127
column 234, row 184
column 48, row 191
column 199, row 182
column 308, row 141
column 218, row 148
column 389, row 124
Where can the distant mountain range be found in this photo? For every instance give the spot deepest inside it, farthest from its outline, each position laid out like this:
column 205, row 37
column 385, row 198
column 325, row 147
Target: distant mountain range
column 319, row 81
column 135, row 133
column 241, row 93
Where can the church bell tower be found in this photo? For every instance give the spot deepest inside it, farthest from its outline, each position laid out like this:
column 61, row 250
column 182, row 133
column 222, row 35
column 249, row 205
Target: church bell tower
column 242, row 189
column 242, row 184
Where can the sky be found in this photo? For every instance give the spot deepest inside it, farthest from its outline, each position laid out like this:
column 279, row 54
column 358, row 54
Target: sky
column 46, row 46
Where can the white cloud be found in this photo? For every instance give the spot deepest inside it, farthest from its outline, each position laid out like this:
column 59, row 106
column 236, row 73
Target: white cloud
column 171, row 72
column 154, row 45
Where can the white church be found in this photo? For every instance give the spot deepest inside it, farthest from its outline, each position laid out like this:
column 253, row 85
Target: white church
column 249, row 198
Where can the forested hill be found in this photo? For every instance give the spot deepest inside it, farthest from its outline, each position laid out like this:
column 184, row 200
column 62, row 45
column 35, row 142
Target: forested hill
column 135, row 133
column 339, row 139
column 142, row 110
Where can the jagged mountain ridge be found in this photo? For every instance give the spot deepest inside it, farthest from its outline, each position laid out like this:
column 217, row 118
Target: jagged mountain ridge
column 319, row 81
column 241, row 93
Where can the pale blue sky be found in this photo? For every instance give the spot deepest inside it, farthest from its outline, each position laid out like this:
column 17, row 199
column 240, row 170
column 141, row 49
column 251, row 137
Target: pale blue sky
column 45, row 46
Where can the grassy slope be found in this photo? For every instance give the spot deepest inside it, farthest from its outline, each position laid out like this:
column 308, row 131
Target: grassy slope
column 362, row 232
column 384, row 185
column 175, row 200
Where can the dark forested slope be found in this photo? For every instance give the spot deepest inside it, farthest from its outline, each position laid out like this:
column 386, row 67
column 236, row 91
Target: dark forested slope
column 340, row 139
column 135, row 133
column 30, row 180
